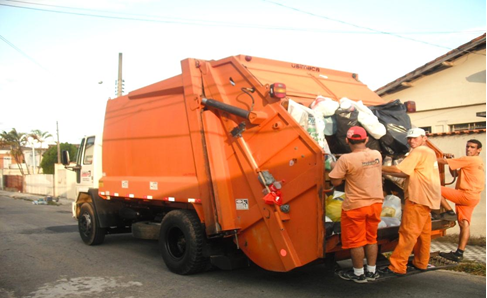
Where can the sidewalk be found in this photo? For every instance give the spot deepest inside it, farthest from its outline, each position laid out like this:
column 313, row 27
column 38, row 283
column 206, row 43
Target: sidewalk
column 472, row 253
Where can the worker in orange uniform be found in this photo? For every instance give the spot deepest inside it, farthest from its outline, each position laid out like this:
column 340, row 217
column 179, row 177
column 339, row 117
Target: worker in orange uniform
column 466, row 195
column 422, row 192
column 361, row 208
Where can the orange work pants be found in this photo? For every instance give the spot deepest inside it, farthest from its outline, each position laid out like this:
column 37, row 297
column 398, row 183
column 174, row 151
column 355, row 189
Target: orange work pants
column 414, row 236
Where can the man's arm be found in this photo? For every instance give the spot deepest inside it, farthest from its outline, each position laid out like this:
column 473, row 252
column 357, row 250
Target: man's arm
column 336, row 182
column 443, row 161
column 393, row 171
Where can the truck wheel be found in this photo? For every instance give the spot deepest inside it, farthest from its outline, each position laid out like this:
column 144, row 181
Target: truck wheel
column 181, row 240
column 89, row 227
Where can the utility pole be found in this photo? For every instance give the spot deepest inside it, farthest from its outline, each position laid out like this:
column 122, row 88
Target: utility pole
column 120, row 81
column 58, row 145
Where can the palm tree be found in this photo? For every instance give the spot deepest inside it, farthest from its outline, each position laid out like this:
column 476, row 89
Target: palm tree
column 40, row 137
column 15, row 140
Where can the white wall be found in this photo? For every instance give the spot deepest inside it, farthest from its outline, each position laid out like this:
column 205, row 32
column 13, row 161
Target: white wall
column 39, row 184
column 65, row 182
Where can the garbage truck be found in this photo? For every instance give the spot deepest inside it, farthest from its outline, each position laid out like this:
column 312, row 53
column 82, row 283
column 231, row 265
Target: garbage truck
column 212, row 164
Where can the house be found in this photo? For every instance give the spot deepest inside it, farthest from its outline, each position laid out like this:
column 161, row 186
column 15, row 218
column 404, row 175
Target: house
column 5, row 158
column 449, row 96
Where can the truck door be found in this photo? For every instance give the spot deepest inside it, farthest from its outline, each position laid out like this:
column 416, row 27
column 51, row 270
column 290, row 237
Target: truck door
column 85, row 159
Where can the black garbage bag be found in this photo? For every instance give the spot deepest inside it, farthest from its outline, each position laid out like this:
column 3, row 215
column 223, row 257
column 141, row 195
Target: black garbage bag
column 344, row 120
column 397, row 122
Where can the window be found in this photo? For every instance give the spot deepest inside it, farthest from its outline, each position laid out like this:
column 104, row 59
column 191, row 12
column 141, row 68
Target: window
column 427, row 129
column 89, row 151
column 467, row 126
column 7, row 161
column 79, row 154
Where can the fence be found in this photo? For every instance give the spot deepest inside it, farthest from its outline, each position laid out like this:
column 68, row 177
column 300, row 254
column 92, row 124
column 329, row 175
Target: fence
column 11, row 182
column 61, row 184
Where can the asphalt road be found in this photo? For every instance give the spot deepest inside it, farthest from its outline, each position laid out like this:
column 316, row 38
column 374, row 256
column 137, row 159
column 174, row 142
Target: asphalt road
column 42, row 255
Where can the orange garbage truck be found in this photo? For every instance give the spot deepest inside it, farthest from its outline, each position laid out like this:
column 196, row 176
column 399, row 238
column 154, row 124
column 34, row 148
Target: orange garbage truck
column 213, row 164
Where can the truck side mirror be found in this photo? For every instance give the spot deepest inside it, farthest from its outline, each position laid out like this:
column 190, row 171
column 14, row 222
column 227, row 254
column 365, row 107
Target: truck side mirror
column 65, row 158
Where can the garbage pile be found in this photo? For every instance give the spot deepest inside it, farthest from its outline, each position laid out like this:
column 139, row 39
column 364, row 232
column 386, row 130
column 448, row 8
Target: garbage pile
column 327, row 122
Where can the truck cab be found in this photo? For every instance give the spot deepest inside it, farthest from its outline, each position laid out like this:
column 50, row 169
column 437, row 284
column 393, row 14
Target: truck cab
column 88, row 166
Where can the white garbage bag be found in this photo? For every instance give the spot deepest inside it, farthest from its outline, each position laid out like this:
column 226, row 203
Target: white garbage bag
column 310, row 121
column 365, row 116
column 391, row 221
column 391, row 207
column 325, row 105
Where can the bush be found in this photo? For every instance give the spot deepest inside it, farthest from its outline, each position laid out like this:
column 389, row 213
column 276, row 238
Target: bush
column 49, row 158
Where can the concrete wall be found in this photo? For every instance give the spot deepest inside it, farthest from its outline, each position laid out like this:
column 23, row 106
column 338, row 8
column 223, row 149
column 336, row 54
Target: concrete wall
column 455, row 144
column 65, row 182
column 39, row 184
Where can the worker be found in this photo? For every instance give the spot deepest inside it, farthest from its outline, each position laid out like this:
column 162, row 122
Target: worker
column 466, row 195
column 422, row 192
column 361, row 208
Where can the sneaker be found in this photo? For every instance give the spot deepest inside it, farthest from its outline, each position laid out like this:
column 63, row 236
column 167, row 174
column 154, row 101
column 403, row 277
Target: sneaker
column 411, row 266
column 388, row 273
column 349, row 275
column 372, row 276
column 448, row 215
column 451, row 256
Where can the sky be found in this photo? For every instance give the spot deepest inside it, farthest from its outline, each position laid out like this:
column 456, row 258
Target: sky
column 59, row 58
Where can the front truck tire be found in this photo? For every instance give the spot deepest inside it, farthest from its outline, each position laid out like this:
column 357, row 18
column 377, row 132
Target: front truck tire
column 89, row 227
column 182, row 240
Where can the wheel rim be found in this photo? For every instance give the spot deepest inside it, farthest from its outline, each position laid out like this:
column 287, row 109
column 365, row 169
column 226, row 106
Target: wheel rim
column 85, row 225
column 176, row 243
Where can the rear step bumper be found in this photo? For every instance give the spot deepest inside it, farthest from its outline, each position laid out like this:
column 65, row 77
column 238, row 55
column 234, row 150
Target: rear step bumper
column 390, row 233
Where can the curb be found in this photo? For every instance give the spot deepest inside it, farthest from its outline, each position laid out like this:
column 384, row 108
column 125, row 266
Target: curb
column 33, row 198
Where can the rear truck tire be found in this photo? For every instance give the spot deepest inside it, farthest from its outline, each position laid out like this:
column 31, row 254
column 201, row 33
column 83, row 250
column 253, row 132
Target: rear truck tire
column 182, row 240
column 89, row 228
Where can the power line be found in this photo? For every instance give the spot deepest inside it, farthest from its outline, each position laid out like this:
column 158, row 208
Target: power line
column 355, row 25
column 21, row 52
column 159, row 19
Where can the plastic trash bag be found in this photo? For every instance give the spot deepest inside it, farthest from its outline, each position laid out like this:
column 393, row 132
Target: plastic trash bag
column 334, row 205
column 330, row 159
column 310, row 121
column 390, row 221
column 346, row 118
column 397, row 122
column 324, row 105
column 391, row 207
column 366, row 118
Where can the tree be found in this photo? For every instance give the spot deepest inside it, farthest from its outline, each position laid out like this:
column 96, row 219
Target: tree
column 50, row 157
column 15, row 140
column 40, row 137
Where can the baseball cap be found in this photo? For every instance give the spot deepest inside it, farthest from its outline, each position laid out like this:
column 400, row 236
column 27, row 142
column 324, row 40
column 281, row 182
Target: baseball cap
column 416, row 132
column 356, row 133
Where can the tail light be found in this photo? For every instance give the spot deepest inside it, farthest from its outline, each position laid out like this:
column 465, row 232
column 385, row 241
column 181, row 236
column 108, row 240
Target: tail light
column 410, row 106
column 278, row 90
